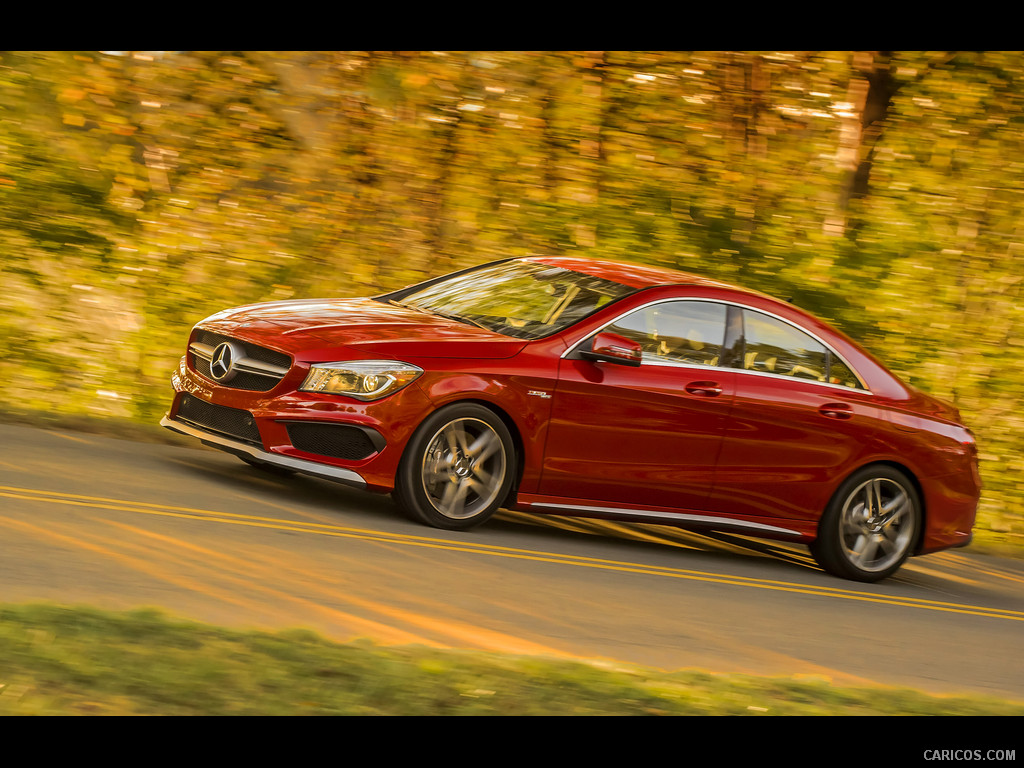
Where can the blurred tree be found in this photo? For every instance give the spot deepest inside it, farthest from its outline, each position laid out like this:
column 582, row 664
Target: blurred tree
column 140, row 191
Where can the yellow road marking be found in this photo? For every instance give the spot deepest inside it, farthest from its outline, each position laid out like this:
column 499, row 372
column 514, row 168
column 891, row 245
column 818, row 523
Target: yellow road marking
column 500, row 551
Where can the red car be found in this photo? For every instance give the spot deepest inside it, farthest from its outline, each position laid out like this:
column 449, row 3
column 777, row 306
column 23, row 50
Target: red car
column 590, row 388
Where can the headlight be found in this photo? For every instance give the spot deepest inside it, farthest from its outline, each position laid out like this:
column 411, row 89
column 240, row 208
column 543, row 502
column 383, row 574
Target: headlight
column 361, row 379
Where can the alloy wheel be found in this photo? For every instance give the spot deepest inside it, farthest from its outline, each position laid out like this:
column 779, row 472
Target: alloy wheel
column 463, row 468
column 877, row 524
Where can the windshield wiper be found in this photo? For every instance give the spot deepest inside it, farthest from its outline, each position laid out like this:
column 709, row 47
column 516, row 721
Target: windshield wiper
column 440, row 313
column 457, row 318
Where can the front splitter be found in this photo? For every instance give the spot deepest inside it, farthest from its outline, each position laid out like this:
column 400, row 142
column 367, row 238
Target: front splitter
column 220, row 442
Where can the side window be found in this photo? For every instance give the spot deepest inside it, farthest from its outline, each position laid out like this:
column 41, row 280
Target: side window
column 773, row 346
column 689, row 332
column 840, row 373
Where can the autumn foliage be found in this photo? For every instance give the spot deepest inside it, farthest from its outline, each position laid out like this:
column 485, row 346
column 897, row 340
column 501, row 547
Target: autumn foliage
column 141, row 191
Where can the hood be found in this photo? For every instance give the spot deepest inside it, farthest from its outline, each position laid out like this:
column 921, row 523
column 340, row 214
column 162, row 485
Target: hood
column 371, row 327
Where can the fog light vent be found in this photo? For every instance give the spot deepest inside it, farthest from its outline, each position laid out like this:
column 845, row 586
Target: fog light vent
column 219, row 418
column 339, row 441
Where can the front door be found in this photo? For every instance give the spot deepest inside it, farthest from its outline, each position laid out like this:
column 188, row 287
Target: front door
column 647, row 436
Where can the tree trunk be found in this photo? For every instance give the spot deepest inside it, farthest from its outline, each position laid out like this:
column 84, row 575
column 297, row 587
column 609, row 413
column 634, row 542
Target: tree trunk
column 867, row 106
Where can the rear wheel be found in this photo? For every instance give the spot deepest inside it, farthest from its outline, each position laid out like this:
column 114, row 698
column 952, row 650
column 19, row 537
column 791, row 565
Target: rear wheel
column 457, row 469
column 870, row 525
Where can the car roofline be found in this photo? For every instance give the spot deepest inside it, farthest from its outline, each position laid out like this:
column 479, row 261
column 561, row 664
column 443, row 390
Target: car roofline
column 632, row 275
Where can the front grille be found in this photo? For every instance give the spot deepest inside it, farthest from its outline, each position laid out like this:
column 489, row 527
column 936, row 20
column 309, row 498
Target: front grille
column 219, row 418
column 339, row 441
column 242, row 380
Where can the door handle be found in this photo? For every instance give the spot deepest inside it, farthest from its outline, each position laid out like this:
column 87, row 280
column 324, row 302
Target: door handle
column 704, row 388
column 836, row 410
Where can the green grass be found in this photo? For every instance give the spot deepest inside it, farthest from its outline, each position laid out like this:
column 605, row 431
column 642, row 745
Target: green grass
column 58, row 660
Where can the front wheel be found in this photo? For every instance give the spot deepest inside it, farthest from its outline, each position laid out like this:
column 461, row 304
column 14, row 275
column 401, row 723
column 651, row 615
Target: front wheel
column 457, row 469
column 870, row 525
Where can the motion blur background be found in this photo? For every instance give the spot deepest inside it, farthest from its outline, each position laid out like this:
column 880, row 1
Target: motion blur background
column 141, row 191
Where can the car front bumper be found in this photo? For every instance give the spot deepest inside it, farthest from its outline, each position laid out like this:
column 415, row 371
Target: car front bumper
column 241, row 449
column 335, row 438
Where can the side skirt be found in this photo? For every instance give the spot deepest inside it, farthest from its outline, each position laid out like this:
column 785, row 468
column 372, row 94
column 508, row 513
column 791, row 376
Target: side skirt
column 790, row 530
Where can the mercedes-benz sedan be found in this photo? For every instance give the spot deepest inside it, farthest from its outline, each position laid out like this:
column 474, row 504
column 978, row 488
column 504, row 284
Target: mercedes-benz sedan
column 590, row 388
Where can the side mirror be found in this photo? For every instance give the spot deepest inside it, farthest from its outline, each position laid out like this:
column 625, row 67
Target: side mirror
column 612, row 348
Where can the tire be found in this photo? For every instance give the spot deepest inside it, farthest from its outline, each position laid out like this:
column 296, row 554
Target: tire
column 457, row 469
column 870, row 526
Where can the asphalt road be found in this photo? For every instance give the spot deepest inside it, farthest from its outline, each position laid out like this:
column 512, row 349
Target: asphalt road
column 120, row 524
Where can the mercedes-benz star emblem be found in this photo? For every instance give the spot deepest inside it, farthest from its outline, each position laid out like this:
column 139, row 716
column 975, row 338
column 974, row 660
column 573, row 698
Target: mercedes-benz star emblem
column 224, row 357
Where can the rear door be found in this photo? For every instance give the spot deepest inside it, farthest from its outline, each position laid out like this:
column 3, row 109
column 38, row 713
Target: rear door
column 799, row 422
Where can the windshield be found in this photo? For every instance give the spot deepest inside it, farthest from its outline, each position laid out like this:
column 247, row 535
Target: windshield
column 523, row 299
